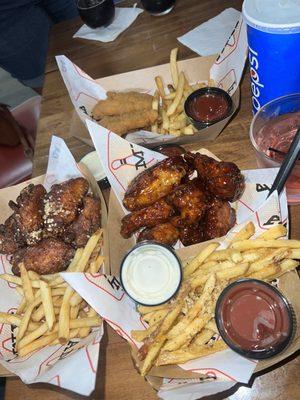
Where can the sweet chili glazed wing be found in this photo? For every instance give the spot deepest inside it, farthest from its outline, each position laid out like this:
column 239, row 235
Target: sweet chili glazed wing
column 163, row 233
column 155, row 182
column 150, row 216
column 218, row 219
column 62, row 205
column 190, row 201
column 48, row 256
column 222, row 179
column 88, row 221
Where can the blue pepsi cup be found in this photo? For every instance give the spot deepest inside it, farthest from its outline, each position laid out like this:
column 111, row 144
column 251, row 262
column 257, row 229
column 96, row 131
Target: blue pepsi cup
column 273, row 29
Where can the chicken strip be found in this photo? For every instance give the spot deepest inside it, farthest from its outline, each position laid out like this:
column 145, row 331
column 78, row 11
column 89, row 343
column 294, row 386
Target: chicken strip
column 62, row 205
column 10, row 237
column 191, row 234
column 124, row 123
column 120, row 103
column 222, row 179
column 47, row 257
column 163, row 233
column 88, row 221
column 154, row 183
column 218, row 220
column 191, row 201
column 28, row 213
column 155, row 214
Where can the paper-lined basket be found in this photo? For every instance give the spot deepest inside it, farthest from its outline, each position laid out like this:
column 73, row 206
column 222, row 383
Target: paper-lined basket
column 71, row 366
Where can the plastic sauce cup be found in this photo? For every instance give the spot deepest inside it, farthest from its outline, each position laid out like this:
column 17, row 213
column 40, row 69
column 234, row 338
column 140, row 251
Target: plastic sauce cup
column 254, row 319
column 151, row 273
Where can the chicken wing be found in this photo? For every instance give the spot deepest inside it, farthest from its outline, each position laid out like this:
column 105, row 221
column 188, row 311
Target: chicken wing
column 28, row 213
column 150, row 216
column 119, row 103
column 10, row 237
column 222, row 179
column 218, row 220
column 191, row 201
column 154, row 183
column 62, row 205
column 88, row 221
column 47, row 257
column 163, row 233
column 191, row 234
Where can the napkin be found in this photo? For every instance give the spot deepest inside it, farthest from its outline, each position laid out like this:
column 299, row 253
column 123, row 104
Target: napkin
column 209, row 37
column 124, row 17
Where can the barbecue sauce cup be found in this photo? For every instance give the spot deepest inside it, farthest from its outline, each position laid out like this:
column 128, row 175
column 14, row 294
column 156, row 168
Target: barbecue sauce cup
column 151, row 273
column 254, row 319
column 207, row 106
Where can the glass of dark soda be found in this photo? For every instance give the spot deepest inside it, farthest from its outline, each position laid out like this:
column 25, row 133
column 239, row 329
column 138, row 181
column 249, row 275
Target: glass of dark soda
column 158, row 7
column 96, row 13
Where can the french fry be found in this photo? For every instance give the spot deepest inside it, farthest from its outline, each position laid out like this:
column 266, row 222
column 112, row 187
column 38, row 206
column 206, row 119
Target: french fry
column 275, row 232
column 189, row 130
column 10, row 319
column 75, row 299
column 35, row 334
column 259, row 243
column 202, row 337
column 148, row 309
column 180, row 327
column 179, row 92
column 37, row 344
column 160, row 86
column 89, row 247
column 183, row 355
column 173, row 67
column 26, row 318
column 74, row 311
column 64, row 317
column 155, row 101
column 201, row 257
column 272, row 255
column 170, row 96
column 245, row 233
column 22, row 306
column 190, row 331
column 165, row 119
column 47, row 304
column 141, row 335
column 33, row 276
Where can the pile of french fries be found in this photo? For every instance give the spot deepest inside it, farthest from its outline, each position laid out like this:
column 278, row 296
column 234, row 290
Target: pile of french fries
column 184, row 328
column 170, row 106
column 50, row 311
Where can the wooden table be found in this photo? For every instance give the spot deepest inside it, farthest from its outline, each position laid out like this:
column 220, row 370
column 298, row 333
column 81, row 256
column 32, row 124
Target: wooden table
column 146, row 43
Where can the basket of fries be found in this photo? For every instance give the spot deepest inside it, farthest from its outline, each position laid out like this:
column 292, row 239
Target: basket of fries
column 147, row 106
column 46, row 324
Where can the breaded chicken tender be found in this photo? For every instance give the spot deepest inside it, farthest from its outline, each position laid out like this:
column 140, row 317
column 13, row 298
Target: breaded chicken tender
column 47, row 257
column 121, row 103
column 123, row 123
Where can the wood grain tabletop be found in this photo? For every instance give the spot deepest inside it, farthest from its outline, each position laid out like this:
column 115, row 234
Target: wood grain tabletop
column 146, row 43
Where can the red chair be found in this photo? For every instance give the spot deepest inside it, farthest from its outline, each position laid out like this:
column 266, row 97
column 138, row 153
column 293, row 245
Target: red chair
column 15, row 165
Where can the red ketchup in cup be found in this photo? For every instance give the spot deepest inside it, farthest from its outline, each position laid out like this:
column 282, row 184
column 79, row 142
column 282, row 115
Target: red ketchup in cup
column 254, row 319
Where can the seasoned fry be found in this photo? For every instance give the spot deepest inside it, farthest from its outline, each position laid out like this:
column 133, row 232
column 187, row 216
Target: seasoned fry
column 148, row 309
column 244, row 233
column 259, row 243
column 275, row 232
column 272, row 255
column 202, row 338
column 143, row 334
column 190, row 353
column 197, row 261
